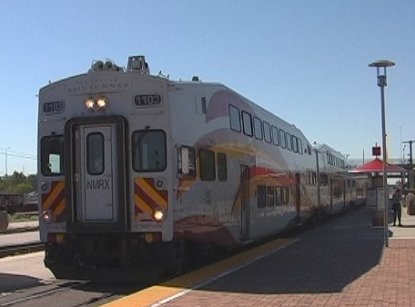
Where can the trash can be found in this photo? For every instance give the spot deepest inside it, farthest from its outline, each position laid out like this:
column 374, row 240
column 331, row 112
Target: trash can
column 410, row 203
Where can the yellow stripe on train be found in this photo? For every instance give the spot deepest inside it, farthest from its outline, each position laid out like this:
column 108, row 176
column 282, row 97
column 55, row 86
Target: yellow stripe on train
column 51, row 198
column 143, row 205
column 152, row 192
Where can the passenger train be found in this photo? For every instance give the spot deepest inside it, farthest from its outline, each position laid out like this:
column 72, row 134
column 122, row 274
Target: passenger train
column 138, row 172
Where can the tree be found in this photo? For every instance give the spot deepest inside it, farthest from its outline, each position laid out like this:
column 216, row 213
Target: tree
column 18, row 183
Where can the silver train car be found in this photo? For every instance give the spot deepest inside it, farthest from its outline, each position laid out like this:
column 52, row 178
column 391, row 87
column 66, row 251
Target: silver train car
column 140, row 173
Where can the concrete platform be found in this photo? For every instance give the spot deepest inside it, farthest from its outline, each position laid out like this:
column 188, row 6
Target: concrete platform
column 15, row 227
column 341, row 263
column 407, row 231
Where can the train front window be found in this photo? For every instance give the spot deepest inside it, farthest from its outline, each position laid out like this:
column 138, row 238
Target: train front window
column 51, row 155
column 95, row 154
column 149, row 150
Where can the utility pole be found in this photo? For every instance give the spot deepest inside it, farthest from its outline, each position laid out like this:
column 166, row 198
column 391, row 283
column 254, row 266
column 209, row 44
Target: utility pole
column 411, row 166
column 5, row 160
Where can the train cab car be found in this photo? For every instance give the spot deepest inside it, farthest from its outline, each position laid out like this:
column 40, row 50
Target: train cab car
column 137, row 171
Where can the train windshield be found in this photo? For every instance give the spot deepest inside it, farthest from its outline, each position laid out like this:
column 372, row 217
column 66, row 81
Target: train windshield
column 52, row 148
column 149, row 150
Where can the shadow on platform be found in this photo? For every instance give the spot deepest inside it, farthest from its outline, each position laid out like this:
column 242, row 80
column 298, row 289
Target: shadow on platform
column 324, row 260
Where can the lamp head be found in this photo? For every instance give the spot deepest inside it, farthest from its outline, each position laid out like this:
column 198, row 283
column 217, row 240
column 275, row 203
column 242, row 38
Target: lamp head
column 382, row 63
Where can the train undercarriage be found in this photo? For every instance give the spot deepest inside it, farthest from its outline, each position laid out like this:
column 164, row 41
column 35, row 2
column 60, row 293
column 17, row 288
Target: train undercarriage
column 120, row 257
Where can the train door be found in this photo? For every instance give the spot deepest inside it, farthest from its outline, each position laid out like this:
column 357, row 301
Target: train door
column 245, row 202
column 344, row 193
column 297, row 196
column 331, row 189
column 95, row 174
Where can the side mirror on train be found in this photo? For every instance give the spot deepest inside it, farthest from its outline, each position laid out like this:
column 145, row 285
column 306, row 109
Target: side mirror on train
column 186, row 161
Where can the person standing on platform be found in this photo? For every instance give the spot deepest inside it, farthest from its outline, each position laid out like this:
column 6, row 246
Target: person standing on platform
column 396, row 206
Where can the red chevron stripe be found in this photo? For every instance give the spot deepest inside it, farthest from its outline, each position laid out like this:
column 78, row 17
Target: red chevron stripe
column 146, row 195
column 54, row 203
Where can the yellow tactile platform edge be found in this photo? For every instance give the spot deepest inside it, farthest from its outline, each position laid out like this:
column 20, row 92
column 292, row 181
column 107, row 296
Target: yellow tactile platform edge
column 174, row 287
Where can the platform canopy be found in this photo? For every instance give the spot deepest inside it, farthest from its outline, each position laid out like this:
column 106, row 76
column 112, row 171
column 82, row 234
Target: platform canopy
column 376, row 166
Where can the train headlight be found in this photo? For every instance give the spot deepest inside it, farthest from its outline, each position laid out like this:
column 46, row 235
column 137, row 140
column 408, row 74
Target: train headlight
column 102, row 103
column 159, row 215
column 95, row 104
column 89, row 103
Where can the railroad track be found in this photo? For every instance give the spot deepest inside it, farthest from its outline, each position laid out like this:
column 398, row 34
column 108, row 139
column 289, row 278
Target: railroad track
column 20, row 249
column 68, row 293
column 80, row 293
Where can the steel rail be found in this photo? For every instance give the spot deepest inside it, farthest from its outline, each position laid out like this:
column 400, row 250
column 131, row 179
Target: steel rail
column 21, row 249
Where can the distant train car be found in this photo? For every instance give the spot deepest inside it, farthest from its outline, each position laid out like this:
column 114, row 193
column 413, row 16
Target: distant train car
column 137, row 171
column 11, row 202
column 336, row 187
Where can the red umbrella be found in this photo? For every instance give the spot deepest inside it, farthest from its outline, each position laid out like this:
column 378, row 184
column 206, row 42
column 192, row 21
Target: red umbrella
column 376, row 166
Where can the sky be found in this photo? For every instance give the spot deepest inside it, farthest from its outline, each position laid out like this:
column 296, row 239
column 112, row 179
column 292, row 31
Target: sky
column 305, row 61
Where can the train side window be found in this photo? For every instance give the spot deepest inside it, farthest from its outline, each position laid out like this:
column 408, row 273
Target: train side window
column 257, row 128
column 186, row 161
column 222, row 166
column 275, row 136
column 262, row 196
column 288, row 140
column 204, row 105
column 207, row 165
column 283, row 140
column 285, row 196
column 234, row 118
column 300, row 146
column 149, row 150
column 270, row 196
column 278, row 196
column 324, row 179
column 95, row 154
column 51, row 155
column 330, row 159
column 294, row 141
column 267, row 132
column 247, row 123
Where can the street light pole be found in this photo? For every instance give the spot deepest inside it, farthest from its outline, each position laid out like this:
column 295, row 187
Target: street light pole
column 382, row 83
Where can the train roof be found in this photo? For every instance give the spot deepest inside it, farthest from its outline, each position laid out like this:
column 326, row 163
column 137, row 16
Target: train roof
column 326, row 148
column 138, row 65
